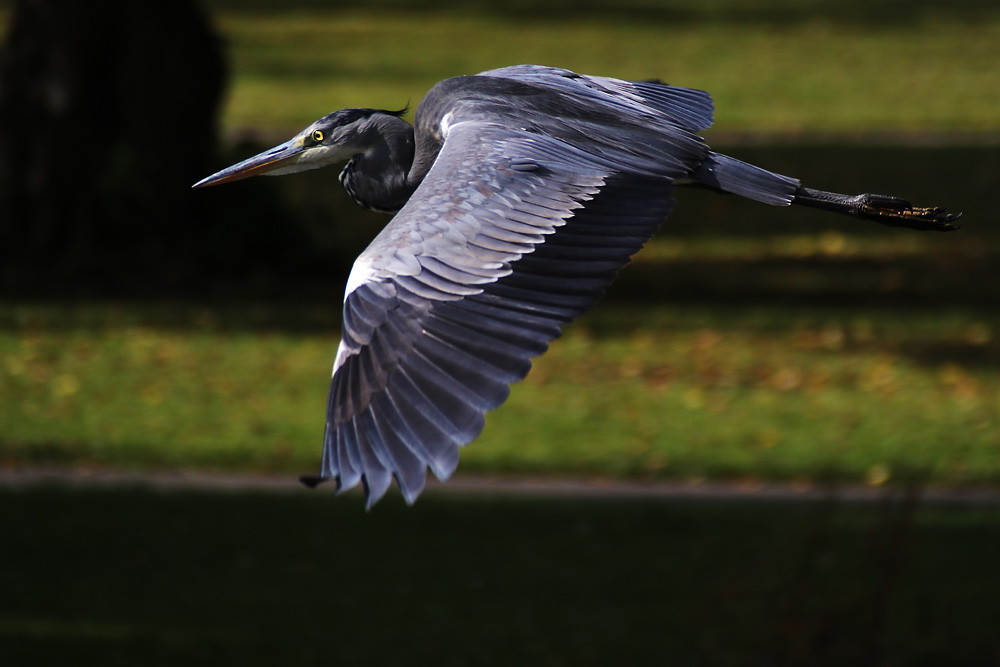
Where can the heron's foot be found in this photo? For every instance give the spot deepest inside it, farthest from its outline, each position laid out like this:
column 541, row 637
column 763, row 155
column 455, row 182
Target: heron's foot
column 896, row 212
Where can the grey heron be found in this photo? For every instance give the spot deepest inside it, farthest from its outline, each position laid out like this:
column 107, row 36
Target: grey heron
column 518, row 194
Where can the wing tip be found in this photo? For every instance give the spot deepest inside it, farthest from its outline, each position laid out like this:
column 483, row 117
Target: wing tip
column 312, row 481
column 410, row 490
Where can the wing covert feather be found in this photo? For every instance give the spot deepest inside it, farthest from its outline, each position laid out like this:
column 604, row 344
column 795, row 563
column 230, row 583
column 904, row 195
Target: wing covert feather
column 450, row 302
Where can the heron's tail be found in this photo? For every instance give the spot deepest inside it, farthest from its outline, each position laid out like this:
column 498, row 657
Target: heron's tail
column 727, row 174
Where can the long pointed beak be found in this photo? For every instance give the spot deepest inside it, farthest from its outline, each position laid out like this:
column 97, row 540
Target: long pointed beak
column 280, row 156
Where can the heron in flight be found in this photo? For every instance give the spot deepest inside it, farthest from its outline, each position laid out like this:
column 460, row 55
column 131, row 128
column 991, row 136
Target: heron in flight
column 517, row 196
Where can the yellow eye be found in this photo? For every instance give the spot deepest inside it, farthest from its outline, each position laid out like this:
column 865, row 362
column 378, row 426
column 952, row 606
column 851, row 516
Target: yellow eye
column 318, row 136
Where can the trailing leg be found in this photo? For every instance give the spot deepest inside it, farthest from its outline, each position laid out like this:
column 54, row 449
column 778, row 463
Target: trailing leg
column 891, row 211
column 725, row 174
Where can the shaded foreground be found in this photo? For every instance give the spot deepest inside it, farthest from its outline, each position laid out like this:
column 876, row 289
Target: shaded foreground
column 128, row 575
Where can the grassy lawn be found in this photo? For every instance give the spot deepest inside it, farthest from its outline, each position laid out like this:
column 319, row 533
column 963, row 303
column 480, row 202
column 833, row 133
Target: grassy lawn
column 761, row 390
column 772, row 67
column 849, row 391
column 686, row 392
column 130, row 576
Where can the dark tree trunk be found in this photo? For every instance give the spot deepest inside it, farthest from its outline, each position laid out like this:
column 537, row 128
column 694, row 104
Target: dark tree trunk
column 108, row 114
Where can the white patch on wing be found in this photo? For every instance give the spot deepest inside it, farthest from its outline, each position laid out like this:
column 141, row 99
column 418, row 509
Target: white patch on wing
column 361, row 272
column 446, row 124
column 342, row 354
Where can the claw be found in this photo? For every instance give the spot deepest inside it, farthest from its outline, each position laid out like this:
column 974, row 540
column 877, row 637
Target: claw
column 895, row 212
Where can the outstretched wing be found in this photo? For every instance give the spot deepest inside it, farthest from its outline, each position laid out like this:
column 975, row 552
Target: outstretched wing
column 510, row 236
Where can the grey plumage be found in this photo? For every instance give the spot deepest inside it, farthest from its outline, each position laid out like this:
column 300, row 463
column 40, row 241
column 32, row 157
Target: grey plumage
column 520, row 194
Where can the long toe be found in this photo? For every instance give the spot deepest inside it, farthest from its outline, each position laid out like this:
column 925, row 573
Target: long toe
column 895, row 212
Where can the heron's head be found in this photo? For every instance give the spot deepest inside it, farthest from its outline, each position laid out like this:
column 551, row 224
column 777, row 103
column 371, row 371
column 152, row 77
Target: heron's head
column 334, row 138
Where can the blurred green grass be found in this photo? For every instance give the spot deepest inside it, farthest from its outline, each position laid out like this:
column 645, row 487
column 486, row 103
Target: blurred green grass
column 654, row 392
column 775, row 67
column 780, row 66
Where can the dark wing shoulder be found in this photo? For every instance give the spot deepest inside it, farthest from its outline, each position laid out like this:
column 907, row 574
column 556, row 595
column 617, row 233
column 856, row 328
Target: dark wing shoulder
column 509, row 237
